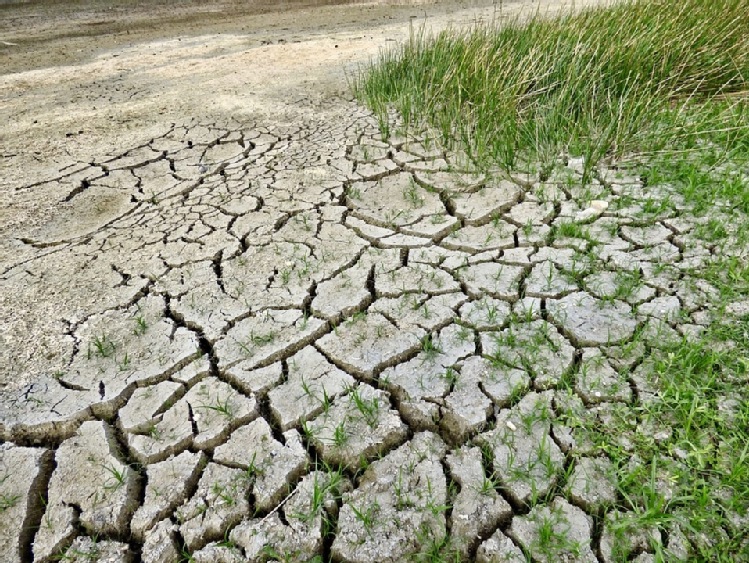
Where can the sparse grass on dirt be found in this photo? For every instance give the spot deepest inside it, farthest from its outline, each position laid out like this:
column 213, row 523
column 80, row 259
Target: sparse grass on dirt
column 658, row 87
column 687, row 467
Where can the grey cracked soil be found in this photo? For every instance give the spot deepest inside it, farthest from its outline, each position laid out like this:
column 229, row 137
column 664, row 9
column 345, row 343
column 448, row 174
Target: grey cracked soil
column 240, row 325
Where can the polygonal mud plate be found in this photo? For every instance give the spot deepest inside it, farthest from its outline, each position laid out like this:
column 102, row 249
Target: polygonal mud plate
column 591, row 322
column 220, row 501
column 261, row 340
column 558, row 532
column 22, row 474
column 299, row 535
column 366, row 343
column 526, row 459
column 536, row 347
column 271, row 466
column 478, row 508
column 91, row 476
column 357, row 427
column 398, row 508
column 312, row 383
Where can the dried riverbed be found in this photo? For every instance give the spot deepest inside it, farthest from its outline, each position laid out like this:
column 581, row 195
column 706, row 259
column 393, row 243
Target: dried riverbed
column 238, row 324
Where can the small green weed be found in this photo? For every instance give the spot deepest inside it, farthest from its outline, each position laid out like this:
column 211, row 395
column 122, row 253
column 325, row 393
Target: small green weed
column 369, row 408
column 8, row 501
column 102, row 347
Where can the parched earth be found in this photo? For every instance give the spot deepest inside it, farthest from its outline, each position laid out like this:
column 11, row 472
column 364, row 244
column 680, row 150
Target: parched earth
column 251, row 339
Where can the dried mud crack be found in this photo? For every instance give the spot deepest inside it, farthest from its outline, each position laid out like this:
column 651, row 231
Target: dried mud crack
column 330, row 342
column 282, row 342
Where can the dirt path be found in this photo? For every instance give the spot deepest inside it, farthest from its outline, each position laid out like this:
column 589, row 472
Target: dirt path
column 219, row 284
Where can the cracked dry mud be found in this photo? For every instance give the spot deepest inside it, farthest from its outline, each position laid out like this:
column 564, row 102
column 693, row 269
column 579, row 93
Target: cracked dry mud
column 288, row 341
column 279, row 307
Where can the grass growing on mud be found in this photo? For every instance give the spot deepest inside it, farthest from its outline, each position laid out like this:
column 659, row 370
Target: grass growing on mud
column 660, row 86
column 637, row 77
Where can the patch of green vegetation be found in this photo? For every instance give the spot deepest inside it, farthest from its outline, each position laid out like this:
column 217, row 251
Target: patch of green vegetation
column 703, row 399
column 8, row 501
column 369, row 408
column 118, row 477
column 103, row 347
column 695, row 476
column 662, row 79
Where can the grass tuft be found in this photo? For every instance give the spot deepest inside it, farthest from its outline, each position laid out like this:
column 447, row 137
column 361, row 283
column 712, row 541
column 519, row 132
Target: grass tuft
column 644, row 77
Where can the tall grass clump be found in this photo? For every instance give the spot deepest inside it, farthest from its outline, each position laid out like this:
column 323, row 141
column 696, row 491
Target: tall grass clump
column 625, row 79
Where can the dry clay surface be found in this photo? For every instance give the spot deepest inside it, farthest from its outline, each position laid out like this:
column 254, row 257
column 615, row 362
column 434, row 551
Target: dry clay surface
column 284, row 336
